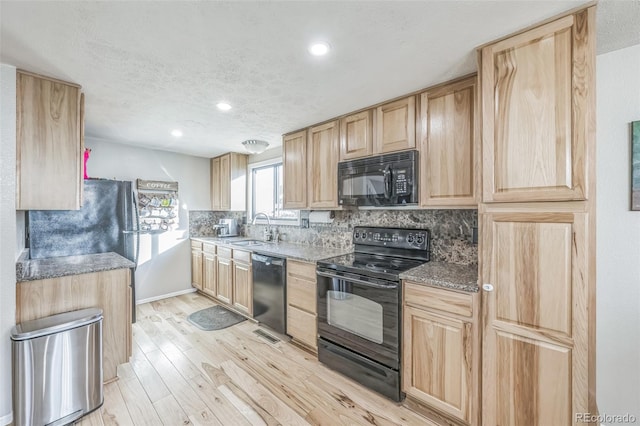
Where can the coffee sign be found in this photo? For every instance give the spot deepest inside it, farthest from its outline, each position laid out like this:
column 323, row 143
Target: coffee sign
column 157, row 185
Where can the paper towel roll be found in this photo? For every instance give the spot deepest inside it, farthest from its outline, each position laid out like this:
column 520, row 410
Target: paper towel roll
column 321, row 217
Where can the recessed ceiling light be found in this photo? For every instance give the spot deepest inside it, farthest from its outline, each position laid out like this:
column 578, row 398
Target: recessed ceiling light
column 319, row 48
column 223, row 106
column 176, row 133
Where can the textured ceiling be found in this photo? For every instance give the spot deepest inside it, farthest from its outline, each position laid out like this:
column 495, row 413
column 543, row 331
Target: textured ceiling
column 149, row 67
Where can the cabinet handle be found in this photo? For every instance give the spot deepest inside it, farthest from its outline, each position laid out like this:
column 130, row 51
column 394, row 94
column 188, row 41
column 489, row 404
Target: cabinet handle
column 487, row 287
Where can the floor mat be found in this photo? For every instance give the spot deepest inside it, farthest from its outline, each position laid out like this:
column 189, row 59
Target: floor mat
column 214, row 318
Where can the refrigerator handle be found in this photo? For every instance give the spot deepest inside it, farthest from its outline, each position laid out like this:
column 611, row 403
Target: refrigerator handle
column 137, row 234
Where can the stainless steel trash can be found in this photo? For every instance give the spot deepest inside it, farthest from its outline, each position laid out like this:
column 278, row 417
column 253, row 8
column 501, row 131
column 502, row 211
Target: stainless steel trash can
column 57, row 368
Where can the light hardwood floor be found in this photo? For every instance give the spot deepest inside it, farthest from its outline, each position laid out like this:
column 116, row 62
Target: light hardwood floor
column 181, row 375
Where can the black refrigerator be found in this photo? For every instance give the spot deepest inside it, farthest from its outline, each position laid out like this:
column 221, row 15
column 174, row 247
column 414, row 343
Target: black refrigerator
column 107, row 222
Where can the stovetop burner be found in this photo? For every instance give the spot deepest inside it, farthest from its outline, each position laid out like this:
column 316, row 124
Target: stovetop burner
column 383, row 252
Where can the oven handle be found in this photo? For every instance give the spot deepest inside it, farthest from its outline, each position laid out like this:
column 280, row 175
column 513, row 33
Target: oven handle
column 355, row 280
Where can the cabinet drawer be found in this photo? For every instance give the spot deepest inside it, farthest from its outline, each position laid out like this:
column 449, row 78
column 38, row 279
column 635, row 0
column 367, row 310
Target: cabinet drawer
column 439, row 299
column 242, row 256
column 301, row 269
column 196, row 245
column 208, row 248
column 302, row 326
column 301, row 293
column 224, row 252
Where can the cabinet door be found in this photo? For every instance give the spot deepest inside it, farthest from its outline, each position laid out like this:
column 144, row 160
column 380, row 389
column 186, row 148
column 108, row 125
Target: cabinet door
column 536, row 325
column 538, row 102
column 395, row 126
column 448, row 145
column 242, row 287
column 356, row 135
column 48, row 144
column 216, row 184
column 210, row 275
column 294, row 170
column 225, row 280
column 322, row 178
column 437, row 361
column 225, row 182
column 196, row 269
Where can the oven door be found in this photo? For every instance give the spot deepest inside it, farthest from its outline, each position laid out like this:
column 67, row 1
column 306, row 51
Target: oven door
column 361, row 314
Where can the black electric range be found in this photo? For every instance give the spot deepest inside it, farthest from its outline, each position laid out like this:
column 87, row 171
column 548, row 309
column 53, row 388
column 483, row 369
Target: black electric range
column 359, row 305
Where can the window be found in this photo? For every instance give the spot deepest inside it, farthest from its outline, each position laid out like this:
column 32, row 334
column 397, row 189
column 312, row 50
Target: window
column 267, row 193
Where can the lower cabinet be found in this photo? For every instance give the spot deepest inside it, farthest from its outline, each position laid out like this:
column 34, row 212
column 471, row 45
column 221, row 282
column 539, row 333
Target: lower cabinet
column 242, row 282
column 224, row 292
column 302, row 322
column 196, row 264
column 209, row 270
column 107, row 290
column 441, row 352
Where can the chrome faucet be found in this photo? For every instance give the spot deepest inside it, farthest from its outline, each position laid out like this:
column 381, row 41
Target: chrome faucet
column 267, row 231
column 265, row 216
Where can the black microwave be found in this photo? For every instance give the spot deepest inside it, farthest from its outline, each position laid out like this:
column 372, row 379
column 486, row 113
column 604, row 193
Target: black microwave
column 383, row 180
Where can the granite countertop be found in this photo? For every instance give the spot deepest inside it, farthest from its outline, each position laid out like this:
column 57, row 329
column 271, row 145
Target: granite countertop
column 289, row 250
column 445, row 275
column 53, row 267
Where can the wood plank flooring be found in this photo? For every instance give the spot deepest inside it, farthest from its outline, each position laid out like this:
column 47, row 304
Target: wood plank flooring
column 181, row 375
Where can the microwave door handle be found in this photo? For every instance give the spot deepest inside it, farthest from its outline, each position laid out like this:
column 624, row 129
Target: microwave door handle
column 387, row 182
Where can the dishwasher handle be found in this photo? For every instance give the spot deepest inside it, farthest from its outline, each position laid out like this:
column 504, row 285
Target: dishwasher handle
column 267, row 260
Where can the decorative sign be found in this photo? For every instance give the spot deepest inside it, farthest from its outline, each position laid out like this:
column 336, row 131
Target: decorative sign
column 635, row 165
column 157, row 185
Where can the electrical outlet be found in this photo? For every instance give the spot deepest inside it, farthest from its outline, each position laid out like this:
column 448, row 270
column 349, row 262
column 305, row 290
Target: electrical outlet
column 474, row 235
column 304, row 223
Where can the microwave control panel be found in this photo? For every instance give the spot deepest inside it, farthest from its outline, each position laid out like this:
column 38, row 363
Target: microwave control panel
column 401, row 182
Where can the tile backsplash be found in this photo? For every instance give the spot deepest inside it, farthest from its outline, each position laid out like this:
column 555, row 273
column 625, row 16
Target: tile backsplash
column 451, row 230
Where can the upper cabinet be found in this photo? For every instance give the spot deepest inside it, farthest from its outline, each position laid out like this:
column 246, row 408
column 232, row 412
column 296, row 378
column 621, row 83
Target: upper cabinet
column 229, row 182
column 294, row 168
column 448, row 153
column 322, row 165
column 356, row 135
column 395, row 126
column 49, row 144
column 537, row 114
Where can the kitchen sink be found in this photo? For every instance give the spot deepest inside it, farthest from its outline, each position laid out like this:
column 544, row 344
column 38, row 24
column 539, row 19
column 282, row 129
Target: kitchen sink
column 247, row 243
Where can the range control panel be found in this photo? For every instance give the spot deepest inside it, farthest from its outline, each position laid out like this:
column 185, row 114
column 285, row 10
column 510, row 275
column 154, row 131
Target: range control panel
column 417, row 239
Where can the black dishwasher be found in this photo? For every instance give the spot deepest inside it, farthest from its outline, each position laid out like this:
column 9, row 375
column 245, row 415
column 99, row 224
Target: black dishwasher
column 269, row 291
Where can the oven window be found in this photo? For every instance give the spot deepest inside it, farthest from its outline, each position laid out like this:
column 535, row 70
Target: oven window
column 363, row 185
column 355, row 314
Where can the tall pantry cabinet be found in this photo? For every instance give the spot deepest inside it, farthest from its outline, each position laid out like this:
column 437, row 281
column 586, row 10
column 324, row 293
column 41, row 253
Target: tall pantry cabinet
column 537, row 218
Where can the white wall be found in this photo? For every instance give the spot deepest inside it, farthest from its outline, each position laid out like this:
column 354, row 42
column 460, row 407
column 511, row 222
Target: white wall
column 8, row 252
column 164, row 265
column 618, row 235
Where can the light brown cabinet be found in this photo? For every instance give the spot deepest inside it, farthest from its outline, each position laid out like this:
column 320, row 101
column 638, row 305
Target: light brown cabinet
column 294, row 170
column 395, row 126
column 322, row 165
column 441, row 351
column 196, row 264
column 537, row 258
column 536, row 331
column 356, row 135
column 209, row 270
column 302, row 323
column 229, row 182
column 49, row 144
column 108, row 290
column 538, row 111
column 242, row 282
column 448, row 149
column 225, row 276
